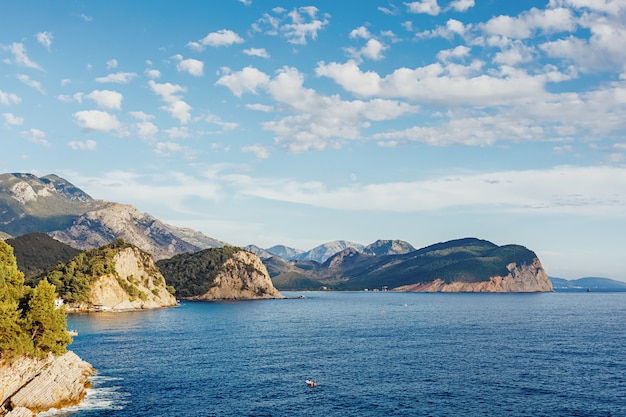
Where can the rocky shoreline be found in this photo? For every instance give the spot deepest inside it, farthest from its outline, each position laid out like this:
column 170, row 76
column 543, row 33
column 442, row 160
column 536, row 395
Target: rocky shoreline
column 30, row 385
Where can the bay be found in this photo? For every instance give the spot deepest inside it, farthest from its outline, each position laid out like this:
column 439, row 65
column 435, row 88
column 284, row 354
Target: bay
column 371, row 354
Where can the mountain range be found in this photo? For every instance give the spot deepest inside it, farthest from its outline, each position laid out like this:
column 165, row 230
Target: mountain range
column 52, row 205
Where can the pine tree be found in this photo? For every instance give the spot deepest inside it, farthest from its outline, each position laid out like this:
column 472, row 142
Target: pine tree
column 13, row 340
column 45, row 323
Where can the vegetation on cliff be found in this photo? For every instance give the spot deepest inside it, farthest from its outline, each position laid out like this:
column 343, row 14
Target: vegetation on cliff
column 193, row 274
column 29, row 322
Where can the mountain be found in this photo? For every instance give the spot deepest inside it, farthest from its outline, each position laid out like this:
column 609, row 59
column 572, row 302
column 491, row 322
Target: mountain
column 31, row 204
column 37, row 252
column 260, row 252
column 111, row 221
column 227, row 273
column 53, row 205
column 463, row 265
column 116, row 276
column 285, row 252
column 594, row 284
column 322, row 252
column 388, row 247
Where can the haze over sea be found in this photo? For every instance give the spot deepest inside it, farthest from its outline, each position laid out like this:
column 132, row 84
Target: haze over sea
column 372, row 354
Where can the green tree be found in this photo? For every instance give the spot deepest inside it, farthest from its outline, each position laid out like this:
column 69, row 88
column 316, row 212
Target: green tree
column 44, row 322
column 13, row 341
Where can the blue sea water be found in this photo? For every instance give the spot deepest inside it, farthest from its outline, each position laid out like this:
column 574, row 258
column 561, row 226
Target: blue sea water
column 371, row 354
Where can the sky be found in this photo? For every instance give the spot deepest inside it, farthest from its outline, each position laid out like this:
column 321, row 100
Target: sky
column 302, row 122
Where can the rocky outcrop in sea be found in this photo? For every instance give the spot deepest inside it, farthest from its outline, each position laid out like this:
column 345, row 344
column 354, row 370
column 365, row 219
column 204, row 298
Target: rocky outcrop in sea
column 30, row 385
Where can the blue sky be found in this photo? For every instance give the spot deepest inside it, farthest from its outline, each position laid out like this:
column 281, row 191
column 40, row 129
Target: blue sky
column 299, row 123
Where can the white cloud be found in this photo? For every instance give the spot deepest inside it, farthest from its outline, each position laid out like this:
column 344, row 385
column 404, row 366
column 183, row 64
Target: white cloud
column 45, row 38
column 9, row 98
column 35, row 136
column 246, row 2
column 88, row 145
column 11, row 120
column 178, row 132
column 97, row 120
column 190, row 65
column 460, row 51
column 139, row 115
column 424, row 6
column 65, row 82
column 146, row 130
column 168, row 92
column 112, row 64
column 246, row 80
column 373, row 50
column 258, row 150
column 589, row 191
column 77, row 97
column 524, row 26
column 216, row 120
column 31, row 83
column 462, row 5
column 224, row 37
column 153, row 73
column 360, row 32
column 260, row 52
column 106, row 99
column 304, row 24
column 316, row 121
column 260, row 107
column 450, row 84
column 118, row 77
column 611, row 7
column 20, row 57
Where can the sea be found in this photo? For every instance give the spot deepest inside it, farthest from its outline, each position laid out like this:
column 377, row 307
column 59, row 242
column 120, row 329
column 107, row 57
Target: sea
column 369, row 353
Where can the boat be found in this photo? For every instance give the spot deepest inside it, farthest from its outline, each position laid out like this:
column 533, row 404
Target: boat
column 311, row 383
column 72, row 332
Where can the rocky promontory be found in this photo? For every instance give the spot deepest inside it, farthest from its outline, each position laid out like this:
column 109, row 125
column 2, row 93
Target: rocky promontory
column 227, row 273
column 114, row 277
column 521, row 278
column 31, row 385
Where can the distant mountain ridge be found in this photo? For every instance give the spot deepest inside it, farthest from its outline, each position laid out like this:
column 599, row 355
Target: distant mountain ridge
column 462, row 265
column 53, row 205
column 595, row 284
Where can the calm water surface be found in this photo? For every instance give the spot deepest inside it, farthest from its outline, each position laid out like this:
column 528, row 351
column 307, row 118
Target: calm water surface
column 372, row 354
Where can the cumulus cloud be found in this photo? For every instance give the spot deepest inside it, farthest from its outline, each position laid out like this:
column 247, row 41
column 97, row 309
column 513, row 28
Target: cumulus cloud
column 178, row 132
column 106, row 99
column 45, row 38
column 437, row 83
column 190, row 65
column 246, row 80
column 258, row 150
column 118, row 77
column 20, row 57
column 297, row 26
column 97, row 120
column 88, row 145
column 315, row 121
column 424, row 6
column 153, row 73
column 11, row 120
column 224, row 37
column 35, row 136
column 260, row 52
column 9, row 98
column 169, row 93
column 31, row 83
column 525, row 25
column 112, row 64
column 260, row 107
column 146, row 130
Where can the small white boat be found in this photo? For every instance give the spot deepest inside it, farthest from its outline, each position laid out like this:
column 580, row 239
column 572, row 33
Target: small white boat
column 310, row 383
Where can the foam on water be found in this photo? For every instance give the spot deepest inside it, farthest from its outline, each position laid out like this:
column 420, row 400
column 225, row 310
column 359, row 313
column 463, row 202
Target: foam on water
column 106, row 394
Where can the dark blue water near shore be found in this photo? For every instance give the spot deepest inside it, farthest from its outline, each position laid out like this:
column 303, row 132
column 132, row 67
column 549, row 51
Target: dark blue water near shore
column 372, row 354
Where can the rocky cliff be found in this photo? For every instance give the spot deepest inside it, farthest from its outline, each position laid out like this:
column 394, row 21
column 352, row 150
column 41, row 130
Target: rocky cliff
column 29, row 386
column 134, row 284
column 227, row 273
column 521, row 278
column 243, row 277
